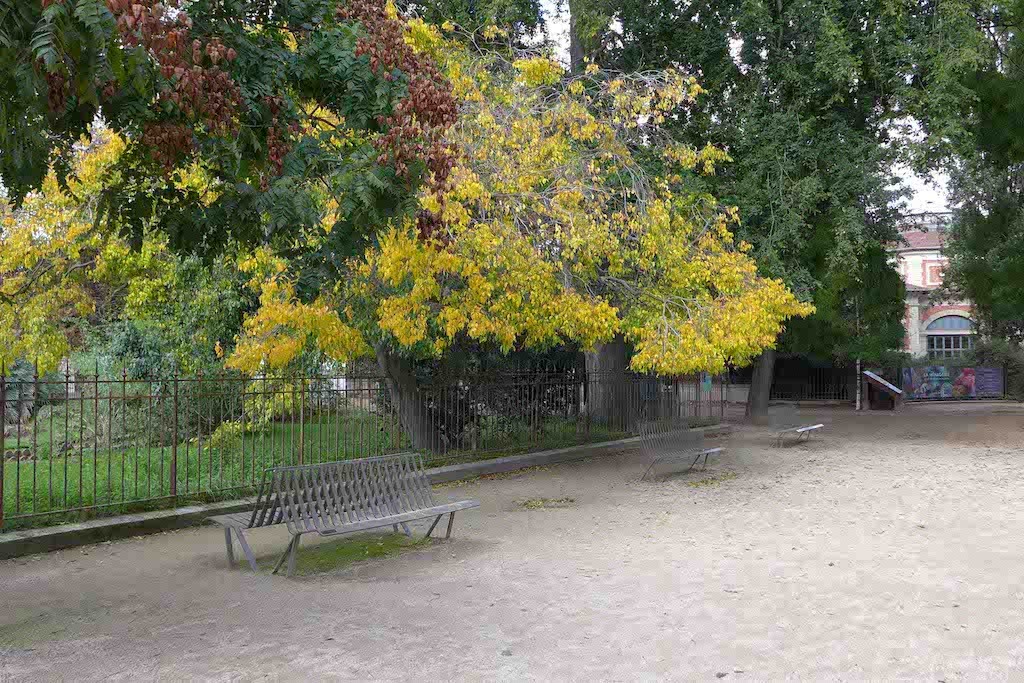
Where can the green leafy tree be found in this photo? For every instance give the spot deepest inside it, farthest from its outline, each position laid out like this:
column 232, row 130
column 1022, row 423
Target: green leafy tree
column 281, row 104
column 986, row 248
column 811, row 101
column 321, row 138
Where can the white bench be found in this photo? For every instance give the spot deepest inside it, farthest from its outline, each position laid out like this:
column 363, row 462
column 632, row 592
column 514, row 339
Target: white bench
column 801, row 432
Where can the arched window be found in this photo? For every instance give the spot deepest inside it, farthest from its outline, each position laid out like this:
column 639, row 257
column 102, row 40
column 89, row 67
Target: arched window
column 952, row 323
column 950, row 336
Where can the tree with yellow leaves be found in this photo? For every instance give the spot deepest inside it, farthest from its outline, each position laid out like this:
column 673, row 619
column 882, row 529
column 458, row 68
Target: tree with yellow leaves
column 400, row 187
column 50, row 249
column 551, row 229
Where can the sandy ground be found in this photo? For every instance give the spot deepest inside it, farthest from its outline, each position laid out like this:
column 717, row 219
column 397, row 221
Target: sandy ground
column 888, row 547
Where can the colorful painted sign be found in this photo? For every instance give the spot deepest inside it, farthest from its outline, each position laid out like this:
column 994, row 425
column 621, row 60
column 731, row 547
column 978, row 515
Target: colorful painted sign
column 940, row 381
column 988, row 382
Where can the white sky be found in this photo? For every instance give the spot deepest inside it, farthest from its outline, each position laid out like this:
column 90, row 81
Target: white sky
column 927, row 194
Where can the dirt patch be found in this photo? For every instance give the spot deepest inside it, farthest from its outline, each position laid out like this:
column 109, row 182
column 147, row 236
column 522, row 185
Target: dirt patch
column 546, row 503
column 712, row 481
column 337, row 555
column 888, row 549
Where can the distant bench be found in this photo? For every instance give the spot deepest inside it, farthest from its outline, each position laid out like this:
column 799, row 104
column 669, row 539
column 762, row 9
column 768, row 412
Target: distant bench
column 787, row 422
column 664, row 440
column 801, row 432
column 339, row 498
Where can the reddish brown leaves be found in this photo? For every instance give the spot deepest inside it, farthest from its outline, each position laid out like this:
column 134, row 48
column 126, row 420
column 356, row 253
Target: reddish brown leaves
column 416, row 128
column 201, row 92
column 57, row 90
column 279, row 135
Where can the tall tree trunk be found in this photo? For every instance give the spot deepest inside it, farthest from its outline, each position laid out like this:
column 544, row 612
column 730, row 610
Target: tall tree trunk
column 761, row 387
column 575, row 42
column 406, row 398
column 607, row 389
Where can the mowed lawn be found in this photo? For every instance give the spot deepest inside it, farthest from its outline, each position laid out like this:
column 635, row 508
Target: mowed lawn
column 106, row 478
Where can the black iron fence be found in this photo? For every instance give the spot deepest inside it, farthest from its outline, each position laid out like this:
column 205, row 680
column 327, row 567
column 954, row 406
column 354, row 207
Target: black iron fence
column 87, row 444
column 815, row 384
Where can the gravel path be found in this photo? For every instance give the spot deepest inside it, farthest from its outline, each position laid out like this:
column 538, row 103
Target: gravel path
column 888, row 547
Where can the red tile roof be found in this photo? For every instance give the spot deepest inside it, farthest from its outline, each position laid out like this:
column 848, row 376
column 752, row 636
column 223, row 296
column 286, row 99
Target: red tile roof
column 911, row 287
column 916, row 239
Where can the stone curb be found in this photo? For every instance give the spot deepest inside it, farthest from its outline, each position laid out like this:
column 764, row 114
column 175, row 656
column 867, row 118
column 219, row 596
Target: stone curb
column 30, row 541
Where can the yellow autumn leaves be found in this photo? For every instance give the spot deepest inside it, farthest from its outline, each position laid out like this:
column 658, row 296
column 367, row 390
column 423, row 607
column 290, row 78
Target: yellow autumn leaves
column 283, row 326
column 486, row 285
column 552, row 232
column 46, row 249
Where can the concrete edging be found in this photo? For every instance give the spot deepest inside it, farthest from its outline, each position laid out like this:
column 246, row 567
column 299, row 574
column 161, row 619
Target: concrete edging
column 31, row 541
column 47, row 539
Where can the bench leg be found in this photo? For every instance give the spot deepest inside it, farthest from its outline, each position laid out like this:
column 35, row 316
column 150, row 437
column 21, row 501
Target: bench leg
column 451, row 520
column 431, row 529
column 291, row 557
column 246, row 549
column 231, row 548
column 284, row 555
column 695, row 460
column 649, row 468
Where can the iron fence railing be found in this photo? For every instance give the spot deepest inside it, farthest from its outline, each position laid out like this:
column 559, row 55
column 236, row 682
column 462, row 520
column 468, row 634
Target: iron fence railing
column 75, row 444
column 815, row 384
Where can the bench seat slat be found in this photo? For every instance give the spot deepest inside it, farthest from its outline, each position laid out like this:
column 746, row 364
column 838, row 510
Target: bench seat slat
column 806, row 428
column 236, row 520
column 413, row 515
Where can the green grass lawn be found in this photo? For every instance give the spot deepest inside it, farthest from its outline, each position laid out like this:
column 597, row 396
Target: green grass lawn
column 93, row 473
column 105, row 479
column 335, row 555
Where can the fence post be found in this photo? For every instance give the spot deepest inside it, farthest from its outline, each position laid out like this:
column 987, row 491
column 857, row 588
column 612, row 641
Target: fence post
column 302, row 418
column 174, row 437
column 724, row 386
column 857, row 373
column 3, row 437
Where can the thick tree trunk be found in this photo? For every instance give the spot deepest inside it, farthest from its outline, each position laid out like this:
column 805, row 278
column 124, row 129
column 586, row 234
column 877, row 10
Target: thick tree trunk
column 761, row 387
column 607, row 389
column 575, row 43
column 407, row 399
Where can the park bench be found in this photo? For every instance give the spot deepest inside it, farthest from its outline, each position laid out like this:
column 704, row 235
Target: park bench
column 339, row 498
column 786, row 422
column 672, row 439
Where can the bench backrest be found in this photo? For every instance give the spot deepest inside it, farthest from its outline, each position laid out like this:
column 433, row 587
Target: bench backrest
column 330, row 495
column 669, row 435
column 784, row 416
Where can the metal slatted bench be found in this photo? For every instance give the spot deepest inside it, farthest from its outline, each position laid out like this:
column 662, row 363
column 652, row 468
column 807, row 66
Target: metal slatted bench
column 339, row 498
column 670, row 439
column 786, row 422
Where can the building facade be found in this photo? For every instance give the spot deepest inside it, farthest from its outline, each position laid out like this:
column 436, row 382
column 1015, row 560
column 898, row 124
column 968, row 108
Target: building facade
column 934, row 328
